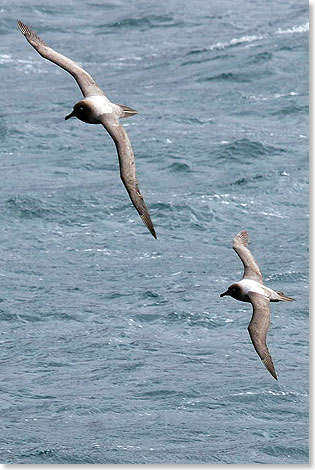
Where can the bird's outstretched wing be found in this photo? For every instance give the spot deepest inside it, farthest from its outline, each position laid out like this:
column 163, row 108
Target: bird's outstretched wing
column 84, row 80
column 251, row 268
column 127, row 166
column 258, row 328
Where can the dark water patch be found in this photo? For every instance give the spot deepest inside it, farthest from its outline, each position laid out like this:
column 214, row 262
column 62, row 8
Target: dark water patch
column 179, row 168
column 227, row 76
column 55, row 456
column 205, row 59
column 197, row 51
column 291, row 109
column 152, row 21
column 64, row 211
column 259, row 58
column 3, row 129
column 103, row 6
column 236, row 77
column 156, row 394
column 245, row 150
column 28, row 207
column 154, row 297
column 286, row 48
column 174, row 214
column 244, row 181
column 162, row 207
column 249, row 181
column 287, row 452
column 193, row 120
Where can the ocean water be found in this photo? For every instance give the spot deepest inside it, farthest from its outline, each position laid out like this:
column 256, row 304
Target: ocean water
column 116, row 348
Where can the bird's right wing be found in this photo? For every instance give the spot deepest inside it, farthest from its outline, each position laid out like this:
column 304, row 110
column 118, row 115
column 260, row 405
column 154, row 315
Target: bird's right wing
column 251, row 268
column 258, row 328
column 127, row 166
column 84, row 80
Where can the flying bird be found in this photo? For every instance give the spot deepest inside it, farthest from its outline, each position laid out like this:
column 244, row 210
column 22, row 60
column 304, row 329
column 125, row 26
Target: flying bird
column 252, row 289
column 96, row 108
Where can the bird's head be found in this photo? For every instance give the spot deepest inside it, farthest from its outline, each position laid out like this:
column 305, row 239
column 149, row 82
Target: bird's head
column 83, row 111
column 233, row 291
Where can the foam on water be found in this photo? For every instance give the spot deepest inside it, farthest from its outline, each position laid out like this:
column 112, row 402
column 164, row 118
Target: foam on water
column 303, row 28
column 257, row 37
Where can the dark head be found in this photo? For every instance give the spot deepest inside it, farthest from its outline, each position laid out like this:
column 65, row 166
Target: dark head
column 82, row 111
column 233, row 291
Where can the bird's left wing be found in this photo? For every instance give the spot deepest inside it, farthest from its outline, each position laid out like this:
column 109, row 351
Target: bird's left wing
column 84, row 79
column 127, row 166
column 251, row 268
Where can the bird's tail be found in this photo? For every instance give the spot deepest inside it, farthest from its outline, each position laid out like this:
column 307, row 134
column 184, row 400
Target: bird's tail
column 126, row 111
column 285, row 297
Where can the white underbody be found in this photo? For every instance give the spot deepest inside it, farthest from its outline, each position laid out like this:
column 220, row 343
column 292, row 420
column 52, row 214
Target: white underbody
column 102, row 105
column 249, row 285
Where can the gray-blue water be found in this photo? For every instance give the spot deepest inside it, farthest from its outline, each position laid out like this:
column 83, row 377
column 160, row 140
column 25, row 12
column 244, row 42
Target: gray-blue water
column 115, row 347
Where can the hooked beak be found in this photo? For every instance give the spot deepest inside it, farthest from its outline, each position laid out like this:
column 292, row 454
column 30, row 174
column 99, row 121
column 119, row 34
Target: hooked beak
column 72, row 114
column 224, row 293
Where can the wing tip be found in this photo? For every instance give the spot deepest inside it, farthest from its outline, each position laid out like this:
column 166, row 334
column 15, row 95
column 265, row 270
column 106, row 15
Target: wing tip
column 268, row 363
column 148, row 223
column 22, row 26
column 25, row 30
column 32, row 37
column 242, row 238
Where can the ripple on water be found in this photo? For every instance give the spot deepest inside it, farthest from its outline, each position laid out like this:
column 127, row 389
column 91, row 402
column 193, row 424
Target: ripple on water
column 145, row 22
column 179, row 168
column 245, row 150
column 29, row 207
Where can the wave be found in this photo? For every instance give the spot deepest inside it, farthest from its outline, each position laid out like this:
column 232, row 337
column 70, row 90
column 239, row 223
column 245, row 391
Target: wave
column 179, row 168
column 152, row 21
column 246, row 149
column 29, row 207
column 236, row 41
column 291, row 109
column 64, row 211
column 252, row 38
column 303, row 28
column 271, row 392
column 287, row 276
column 5, row 59
column 228, row 76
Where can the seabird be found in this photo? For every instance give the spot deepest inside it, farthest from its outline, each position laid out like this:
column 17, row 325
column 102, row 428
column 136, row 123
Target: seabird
column 96, row 108
column 252, row 289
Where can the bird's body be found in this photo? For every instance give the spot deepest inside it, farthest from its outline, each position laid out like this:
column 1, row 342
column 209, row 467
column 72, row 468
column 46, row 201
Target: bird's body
column 252, row 289
column 249, row 285
column 96, row 108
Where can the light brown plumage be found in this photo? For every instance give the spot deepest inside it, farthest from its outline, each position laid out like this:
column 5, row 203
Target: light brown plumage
column 258, row 329
column 97, row 109
column 251, row 268
column 252, row 289
column 85, row 81
column 128, row 168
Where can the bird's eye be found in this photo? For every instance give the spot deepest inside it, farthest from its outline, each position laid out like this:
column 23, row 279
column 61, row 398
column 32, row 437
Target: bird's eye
column 81, row 108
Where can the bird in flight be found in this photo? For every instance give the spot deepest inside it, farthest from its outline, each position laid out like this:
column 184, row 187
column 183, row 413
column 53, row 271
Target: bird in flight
column 95, row 108
column 252, row 289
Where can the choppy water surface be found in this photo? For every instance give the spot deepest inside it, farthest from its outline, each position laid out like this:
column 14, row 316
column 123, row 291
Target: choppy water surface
column 116, row 348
